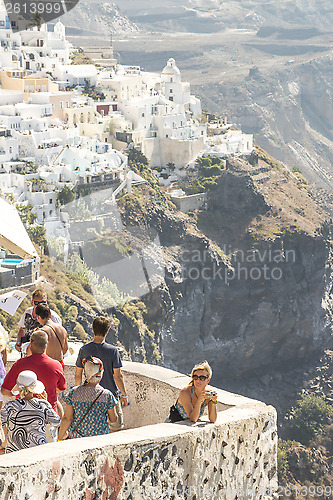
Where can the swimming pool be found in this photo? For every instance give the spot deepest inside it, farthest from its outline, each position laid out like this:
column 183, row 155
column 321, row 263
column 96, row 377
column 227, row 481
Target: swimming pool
column 10, row 261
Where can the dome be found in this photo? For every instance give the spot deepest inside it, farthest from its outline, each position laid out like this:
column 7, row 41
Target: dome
column 171, row 68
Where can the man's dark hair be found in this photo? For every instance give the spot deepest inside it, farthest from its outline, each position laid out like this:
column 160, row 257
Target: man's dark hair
column 101, row 326
column 43, row 311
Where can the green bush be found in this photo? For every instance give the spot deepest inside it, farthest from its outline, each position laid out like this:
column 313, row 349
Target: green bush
column 311, row 415
column 210, row 171
column 79, row 332
column 72, row 313
column 282, row 460
column 284, row 447
column 209, row 183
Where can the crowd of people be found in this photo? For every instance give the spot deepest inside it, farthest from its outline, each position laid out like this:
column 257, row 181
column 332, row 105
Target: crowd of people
column 33, row 414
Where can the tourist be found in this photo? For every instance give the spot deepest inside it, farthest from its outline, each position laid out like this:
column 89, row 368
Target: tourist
column 24, row 419
column 3, row 357
column 48, row 370
column 89, row 406
column 57, row 344
column 3, row 361
column 28, row 322
column 195, row 397
column 112, row 379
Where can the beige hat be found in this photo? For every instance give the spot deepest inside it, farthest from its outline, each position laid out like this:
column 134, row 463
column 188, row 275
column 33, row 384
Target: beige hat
column 27, row 380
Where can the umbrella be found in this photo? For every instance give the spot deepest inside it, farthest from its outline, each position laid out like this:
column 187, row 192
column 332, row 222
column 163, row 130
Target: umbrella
column 13, row 235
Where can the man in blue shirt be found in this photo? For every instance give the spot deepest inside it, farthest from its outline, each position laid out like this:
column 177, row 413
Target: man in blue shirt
column 112, row 377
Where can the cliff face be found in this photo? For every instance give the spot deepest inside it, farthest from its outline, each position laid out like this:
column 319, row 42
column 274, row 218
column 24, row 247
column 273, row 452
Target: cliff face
column 247, row 282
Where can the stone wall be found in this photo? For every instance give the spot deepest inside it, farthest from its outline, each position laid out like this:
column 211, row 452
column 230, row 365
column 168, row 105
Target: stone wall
column 233, row 458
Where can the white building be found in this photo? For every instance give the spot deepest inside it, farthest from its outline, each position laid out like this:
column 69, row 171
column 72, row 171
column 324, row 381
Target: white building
column 69, row 75
column 230, row 143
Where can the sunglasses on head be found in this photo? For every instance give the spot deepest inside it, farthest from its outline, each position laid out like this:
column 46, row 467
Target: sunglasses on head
column 36, row 302
column 200, row 377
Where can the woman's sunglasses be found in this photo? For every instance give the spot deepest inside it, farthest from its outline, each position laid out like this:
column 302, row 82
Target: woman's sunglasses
column 200, row 377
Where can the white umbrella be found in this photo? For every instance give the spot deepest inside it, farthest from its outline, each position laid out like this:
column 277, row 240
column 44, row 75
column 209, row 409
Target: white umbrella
column 13, row 235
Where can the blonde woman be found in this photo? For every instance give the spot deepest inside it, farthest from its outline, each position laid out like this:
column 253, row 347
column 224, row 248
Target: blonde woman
column 195, row 397
column 24, row 419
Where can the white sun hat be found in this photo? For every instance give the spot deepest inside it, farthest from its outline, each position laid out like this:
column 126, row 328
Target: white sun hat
column 28, row 380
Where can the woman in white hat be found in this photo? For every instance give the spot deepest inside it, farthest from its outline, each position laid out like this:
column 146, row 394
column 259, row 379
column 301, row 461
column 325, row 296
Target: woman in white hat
column 89, row 406
column 25, row 418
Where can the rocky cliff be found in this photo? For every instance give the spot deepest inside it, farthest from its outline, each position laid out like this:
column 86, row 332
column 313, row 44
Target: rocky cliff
column 247, row 281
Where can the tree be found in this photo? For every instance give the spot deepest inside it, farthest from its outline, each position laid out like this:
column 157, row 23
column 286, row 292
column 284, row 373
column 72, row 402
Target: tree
column 36, row 20
column 135, row 157
column 79, row 332
column 72, row 313
column 38, row 235
column 310, row 416
column 26, row 214
column 65, row 196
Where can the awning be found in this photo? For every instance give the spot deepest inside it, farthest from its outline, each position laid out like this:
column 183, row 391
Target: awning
column 13, row 235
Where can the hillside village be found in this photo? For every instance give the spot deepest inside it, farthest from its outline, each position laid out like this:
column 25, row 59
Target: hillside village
column 68, row 126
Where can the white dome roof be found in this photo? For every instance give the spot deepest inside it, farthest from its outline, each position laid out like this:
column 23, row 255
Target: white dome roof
column 171, row 68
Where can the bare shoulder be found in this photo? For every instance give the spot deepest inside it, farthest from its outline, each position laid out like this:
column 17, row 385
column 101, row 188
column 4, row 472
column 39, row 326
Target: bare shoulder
column 185, row 393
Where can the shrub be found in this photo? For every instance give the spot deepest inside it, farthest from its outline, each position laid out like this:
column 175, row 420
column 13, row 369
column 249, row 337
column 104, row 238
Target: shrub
column 210, row 171
column 66, row 195
column 79, row 332
column 282, row 458
column 209, row 183
column 311, row 415
column 72, row 313
column 284, row 447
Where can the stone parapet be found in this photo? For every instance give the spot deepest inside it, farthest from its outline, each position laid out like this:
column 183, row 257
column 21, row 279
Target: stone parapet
column 233, row 458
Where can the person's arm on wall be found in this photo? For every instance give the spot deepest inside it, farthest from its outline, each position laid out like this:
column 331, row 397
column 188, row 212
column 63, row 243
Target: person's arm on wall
column 65, row 422
column 119, row 379
column 184, row 399
column 212, row 412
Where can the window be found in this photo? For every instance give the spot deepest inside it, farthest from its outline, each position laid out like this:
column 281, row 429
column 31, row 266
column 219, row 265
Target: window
column 171, row 91
column 67, row 104
column 61, row 104
column 143, row 115
column 50, row 201
column 170, row 98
